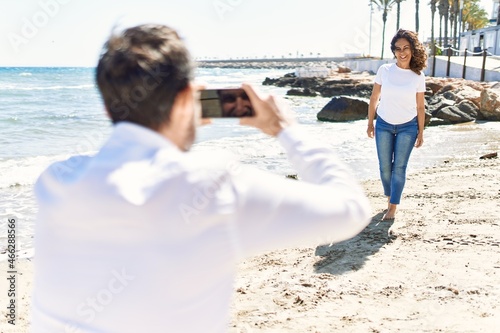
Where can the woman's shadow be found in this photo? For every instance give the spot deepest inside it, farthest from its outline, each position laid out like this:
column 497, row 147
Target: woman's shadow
column 351, row 254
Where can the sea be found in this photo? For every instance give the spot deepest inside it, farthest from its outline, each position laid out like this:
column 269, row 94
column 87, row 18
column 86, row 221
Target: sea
column 49, row 114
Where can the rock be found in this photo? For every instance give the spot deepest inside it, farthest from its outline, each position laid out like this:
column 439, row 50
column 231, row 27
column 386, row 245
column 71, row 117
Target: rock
column 308, row 82
column 264, row 64
column 437, row 103
column 455, row 102
column 438, row 122
column 434, row 85
column 450, row 95
column 345, row 87
column 488, row 156
column 269, row 82
column 453, row 115
column 461, row 93
column 302, row 92
column 448, row 87
column 428, row 118
column 280, row 82
column 296, row 82
column 359, row 85
column 344, row 108
column 429, row 92
column 343, row 70
column 468, row 93
column 490, row 104
column 468, row 107
column 464, row 100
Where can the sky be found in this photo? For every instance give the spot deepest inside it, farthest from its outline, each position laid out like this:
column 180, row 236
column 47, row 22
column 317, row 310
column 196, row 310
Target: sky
column 72, row 32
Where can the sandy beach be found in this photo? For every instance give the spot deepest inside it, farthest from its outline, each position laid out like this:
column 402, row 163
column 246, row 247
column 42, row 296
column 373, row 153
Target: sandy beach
column 436, row 268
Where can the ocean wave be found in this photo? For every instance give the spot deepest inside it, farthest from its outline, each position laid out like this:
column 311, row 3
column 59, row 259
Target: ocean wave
column 25, row 74
column 21, row 172
column 78, row 87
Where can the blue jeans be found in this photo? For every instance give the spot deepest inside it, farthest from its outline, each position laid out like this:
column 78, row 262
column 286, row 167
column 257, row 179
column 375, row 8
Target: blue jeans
column 394, row 146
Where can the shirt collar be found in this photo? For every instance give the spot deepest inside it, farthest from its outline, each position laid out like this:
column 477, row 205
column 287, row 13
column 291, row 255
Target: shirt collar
column 129, row 132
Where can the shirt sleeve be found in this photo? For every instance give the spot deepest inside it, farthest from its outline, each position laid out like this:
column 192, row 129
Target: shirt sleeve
column 327, row 205
column 421, row 83
column 378, row 77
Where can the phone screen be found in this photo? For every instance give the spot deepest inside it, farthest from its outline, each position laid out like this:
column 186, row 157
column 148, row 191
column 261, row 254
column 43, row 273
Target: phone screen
column 225, row 103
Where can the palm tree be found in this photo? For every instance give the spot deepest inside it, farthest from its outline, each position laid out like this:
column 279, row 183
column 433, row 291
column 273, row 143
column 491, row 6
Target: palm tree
column 433, row 11
column 385, row 6
column 398, row 12
column 498, row 16
column 454, row 15
column 474, row 16
column 444, row 8
column 417, row 15
column 441, row 14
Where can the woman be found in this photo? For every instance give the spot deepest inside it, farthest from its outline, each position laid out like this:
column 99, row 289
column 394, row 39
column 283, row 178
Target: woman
column 400, row 87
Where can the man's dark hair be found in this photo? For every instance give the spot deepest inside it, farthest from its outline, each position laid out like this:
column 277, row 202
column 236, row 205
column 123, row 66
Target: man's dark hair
column 140, row 72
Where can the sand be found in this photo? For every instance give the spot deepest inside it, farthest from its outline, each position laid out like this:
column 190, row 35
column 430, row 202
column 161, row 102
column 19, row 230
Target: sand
column 23, row 289
column 435, row 268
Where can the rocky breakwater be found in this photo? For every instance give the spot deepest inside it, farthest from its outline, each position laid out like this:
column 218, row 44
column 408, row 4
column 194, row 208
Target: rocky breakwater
column 341, row 84
column 263, row 64
column 453, row 101
column 448, row 101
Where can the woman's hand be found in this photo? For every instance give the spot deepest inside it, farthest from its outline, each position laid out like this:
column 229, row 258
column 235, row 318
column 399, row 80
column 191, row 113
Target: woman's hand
column 420, row 140
column 372, row 109
column 370, row 131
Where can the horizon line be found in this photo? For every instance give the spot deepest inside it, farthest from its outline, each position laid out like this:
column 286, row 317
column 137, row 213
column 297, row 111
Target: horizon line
column 227, row 60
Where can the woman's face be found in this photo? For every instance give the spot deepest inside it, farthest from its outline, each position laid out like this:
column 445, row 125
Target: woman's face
column 403, row 53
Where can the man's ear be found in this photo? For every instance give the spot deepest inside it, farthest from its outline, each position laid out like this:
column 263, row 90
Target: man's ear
column 182, row 104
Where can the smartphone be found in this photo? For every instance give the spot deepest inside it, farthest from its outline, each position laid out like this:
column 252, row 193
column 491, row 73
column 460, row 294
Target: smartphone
column 225, row 103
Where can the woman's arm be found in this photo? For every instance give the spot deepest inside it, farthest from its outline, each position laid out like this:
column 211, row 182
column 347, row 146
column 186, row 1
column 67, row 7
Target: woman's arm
column 372, row 108
column 420, row 119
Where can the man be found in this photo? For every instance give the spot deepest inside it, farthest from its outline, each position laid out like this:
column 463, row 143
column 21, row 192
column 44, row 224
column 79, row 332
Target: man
column 144, row 236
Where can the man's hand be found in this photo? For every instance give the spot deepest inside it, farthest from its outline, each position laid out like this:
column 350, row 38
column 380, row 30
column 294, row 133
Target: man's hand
column 271, row 114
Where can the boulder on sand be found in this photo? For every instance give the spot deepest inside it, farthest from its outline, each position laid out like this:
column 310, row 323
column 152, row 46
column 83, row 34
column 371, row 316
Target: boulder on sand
column 343, row 108
column 453, row 115
column 490, row 104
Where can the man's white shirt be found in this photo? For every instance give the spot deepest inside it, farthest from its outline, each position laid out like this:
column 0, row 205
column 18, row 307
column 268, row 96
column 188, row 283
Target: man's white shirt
column 143, row 237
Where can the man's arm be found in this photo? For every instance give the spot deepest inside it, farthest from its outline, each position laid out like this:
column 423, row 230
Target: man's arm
column 327, row 205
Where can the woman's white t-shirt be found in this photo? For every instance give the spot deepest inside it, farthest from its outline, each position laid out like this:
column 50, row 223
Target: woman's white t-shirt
column 398, row 99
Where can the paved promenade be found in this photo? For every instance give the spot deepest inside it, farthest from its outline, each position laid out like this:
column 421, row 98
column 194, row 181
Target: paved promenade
column 492, row 62
column 474, row 66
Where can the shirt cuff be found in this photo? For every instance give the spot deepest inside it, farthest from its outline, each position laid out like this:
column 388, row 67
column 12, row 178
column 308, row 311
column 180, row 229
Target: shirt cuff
column 289, row 136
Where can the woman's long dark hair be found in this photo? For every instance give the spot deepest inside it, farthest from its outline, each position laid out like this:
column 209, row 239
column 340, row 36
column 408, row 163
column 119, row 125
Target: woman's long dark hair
column 418, row 53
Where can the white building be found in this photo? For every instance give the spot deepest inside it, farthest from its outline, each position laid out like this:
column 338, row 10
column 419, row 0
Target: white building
column 494, row 12
column 487, row 38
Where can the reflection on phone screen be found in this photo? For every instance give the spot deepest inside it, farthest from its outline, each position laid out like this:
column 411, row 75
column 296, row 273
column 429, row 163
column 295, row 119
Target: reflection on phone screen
column 225, row 103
